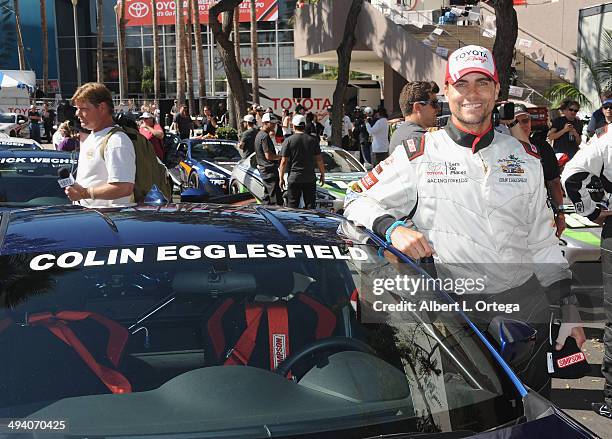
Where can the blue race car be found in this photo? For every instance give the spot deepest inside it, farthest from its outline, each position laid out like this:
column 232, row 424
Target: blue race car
column 203, row 163
column 224, row 321
column 29, row 178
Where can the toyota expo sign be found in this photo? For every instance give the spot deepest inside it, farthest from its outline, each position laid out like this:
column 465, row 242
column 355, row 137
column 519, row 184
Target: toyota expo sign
column 139, row 12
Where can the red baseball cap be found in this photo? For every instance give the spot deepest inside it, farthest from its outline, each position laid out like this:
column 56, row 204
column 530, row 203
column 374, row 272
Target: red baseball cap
column 470, row 59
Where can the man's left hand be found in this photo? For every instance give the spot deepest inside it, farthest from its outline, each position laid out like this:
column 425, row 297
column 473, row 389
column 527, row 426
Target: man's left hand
column 576, row 331
column 76, row 192
column 282, row 184
column 322, row 179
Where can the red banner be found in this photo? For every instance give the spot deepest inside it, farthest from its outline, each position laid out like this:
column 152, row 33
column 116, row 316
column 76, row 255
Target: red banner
column 519, row 2
column 140, row 12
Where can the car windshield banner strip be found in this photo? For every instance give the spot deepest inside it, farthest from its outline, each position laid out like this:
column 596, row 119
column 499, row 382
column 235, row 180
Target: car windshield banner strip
column 169, row 253
column 518, row 384
column 44, row 160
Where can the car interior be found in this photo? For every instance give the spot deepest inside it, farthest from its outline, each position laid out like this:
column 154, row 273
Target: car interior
column 158, row 329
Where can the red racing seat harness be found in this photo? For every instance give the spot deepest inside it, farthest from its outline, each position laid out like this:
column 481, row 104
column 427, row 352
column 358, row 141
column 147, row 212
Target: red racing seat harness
column 59, row 325
column 278, row 329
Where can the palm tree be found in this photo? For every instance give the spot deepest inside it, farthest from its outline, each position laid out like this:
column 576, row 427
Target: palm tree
column 180, row 54
column 344, row 53
column 237, row 34
column 189, row 61
column 254, row 57
column 156, row 66
column 20, row 48
column 227, row 53
column 506, row 25
column 123, row 54
column 45, row 44
column 599, row 73
column 100, row 40
column 197, row 32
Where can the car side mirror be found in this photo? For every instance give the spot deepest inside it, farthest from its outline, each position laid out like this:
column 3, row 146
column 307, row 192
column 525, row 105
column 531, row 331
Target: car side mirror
column 515, row 340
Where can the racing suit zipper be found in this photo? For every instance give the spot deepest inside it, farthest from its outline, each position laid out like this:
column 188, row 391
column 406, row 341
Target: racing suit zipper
column 484, row 164
column 485, row 197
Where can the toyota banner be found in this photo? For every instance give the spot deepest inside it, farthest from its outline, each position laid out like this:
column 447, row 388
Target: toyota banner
column 140, row 12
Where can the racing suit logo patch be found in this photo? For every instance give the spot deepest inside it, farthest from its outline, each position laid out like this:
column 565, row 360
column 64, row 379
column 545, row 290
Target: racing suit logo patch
column 369, row 180
column 511, row 166
column 436, row 168
column 409, row 143
column 570, row 359
column 579, row 207
column 280, row 349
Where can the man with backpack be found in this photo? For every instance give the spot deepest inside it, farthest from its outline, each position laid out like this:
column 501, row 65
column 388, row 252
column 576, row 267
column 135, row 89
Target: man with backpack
column 106, row 175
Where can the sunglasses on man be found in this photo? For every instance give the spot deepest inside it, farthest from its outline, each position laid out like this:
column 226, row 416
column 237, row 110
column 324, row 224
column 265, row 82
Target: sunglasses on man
column 607, row 106
column 574, row 110
column 433, row 102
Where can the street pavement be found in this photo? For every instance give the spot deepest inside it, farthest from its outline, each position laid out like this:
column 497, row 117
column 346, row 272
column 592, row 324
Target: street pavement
column 575, row 396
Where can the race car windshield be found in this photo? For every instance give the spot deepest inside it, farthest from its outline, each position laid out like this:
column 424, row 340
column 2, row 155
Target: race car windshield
column 340, row 161
column 6, row 144
column 214, row 152
column 31, row 181
column 228, row 340
column 7, row 118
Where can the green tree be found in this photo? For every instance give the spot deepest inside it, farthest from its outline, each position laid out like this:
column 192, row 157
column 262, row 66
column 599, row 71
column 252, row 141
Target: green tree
column 147, row 83
column 599, row 73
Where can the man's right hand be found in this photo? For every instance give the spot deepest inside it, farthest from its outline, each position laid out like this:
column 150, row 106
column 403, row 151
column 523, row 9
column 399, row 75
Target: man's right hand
column 602, row 217
column 411, row 243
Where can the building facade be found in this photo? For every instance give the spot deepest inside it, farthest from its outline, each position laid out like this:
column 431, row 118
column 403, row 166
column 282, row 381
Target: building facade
column 31, row 30
column 275, row 46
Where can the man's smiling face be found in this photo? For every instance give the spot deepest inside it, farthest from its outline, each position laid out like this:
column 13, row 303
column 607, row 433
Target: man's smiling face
column 471, row 99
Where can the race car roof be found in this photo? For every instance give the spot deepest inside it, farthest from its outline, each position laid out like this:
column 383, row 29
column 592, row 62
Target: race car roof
column 17, row 142
column 72, row 227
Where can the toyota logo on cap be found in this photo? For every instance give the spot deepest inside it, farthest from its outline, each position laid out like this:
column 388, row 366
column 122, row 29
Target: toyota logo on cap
column 138, row 10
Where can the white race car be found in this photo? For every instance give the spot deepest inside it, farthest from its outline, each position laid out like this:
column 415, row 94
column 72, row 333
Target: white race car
column 341, row 168
column 15, row 125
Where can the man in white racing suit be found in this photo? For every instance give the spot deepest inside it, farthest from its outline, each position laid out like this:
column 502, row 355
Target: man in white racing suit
column 477, row 204
column 596, row 160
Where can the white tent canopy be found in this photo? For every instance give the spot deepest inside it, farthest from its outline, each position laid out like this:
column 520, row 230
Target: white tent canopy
column 13, row 83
